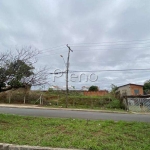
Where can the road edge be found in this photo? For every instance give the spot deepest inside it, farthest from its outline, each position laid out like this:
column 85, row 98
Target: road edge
column 5, row 146
column 70, row 109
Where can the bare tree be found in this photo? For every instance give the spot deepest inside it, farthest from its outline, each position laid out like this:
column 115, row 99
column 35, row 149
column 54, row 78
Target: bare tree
column 17, row 69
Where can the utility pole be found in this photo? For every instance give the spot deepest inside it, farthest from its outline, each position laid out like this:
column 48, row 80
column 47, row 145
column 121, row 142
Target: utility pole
column 67, row 70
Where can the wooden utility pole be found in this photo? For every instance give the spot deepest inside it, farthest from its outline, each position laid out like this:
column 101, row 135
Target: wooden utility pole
column 67, row 70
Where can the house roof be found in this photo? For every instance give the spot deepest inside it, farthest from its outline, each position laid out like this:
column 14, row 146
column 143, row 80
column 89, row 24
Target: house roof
column 130, row 84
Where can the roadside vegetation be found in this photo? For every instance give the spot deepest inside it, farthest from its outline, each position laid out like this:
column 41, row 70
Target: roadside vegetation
column 74, row 133
column 18, row 74
column 51, row 98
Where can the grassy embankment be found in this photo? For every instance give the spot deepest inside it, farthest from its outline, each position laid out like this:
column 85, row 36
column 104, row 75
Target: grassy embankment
column 78, row 100
column 74, row 133
column 58, row 99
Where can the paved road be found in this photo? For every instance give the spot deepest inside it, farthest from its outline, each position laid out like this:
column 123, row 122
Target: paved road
column 75, row 114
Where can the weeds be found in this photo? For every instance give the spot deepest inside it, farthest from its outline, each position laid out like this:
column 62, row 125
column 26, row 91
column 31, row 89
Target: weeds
column 74, row 133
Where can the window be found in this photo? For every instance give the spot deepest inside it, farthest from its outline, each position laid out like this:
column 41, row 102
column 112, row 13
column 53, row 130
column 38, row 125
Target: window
column 136, row 92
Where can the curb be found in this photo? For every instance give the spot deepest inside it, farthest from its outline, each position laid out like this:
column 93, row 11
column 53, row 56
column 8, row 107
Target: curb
column 38, row 107
column 138, row 113
column 5, row 146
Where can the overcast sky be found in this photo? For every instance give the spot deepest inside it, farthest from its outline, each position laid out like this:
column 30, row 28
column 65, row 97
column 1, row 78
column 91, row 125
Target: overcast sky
column 103, row 34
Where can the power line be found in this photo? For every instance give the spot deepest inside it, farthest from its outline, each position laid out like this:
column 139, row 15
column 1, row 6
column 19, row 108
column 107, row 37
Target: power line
column 60, row 47
column 99, row 44
column 106, row 61
column 51, row 54
column 56, row 47
column 111, row 70
column 117, row 41
column 76, row 50
column 90, row 45
column 107, row 70
column 52, row 51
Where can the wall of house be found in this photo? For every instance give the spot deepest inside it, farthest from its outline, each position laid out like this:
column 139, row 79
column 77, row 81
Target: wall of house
column 131, row 90
column 125, row 90
column 95, row 93
column 135, row 87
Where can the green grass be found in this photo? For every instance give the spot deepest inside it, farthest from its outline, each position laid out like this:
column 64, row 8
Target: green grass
column 80, row 101
column 58, row 99
column 74, row 133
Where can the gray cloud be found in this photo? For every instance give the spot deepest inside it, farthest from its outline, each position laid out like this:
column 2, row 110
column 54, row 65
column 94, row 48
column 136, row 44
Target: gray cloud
column 46, row 24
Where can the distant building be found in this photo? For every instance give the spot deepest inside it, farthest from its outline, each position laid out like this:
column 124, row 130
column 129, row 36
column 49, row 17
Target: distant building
column 130, row 89
column 53, row 87
column 58, row 88
column 85, row 88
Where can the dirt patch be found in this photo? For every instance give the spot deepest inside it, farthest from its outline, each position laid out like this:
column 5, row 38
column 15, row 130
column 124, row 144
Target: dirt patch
column 4, row 122
column 61, row 128
column 99, row 133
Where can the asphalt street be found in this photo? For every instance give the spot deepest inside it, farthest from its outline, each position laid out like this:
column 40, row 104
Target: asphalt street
column 75, row 114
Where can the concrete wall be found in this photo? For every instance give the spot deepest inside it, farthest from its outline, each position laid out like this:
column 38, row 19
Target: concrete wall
column 129, row 89
column 125, row 89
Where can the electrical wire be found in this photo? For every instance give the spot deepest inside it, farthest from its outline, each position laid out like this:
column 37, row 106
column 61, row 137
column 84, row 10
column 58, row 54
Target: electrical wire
column 147, row 69
column 116, row 42
column 88, row 45
column 77, row 50
column 107, row 70
column 56, row 47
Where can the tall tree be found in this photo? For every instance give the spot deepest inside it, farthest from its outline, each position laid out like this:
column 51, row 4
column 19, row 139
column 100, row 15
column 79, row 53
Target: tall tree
column 17, row 69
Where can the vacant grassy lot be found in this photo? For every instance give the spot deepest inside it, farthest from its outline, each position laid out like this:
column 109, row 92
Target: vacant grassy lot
column 58, row 99
column 73, row 133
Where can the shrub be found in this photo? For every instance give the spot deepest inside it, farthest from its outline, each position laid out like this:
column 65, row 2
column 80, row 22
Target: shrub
column 114, row 104
column 93, row 88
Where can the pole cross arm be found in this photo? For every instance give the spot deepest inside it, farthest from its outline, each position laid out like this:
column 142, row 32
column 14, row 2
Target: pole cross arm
column 57, row 72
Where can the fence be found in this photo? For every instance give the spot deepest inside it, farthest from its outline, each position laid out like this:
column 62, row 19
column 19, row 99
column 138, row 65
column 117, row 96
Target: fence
column 138, row 104
column 21, row 97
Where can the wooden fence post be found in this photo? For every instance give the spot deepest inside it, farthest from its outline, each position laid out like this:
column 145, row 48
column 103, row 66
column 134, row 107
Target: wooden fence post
column 91, row 102
column 58, row 100
column 40, row 99
column 24, row 99
column 9, row 98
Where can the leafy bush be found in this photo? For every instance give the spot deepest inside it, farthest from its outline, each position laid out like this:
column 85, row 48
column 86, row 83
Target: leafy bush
column 114, row 104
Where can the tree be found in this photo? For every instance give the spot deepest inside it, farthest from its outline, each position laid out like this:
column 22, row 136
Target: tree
column 17, row 70
column 93, row 88
column 114, row 88
column 146, row 87
column 20, row 70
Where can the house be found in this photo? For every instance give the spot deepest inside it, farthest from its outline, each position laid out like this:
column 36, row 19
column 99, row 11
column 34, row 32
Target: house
column 130, row 89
